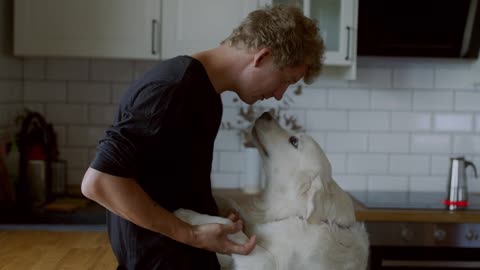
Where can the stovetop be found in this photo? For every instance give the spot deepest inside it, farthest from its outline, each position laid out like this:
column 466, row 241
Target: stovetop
column 409, row 200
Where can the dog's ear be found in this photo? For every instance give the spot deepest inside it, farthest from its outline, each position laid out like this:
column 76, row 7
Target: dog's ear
column 314, row 185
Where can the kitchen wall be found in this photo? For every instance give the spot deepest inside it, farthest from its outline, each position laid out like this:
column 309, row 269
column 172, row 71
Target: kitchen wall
column 393, row 128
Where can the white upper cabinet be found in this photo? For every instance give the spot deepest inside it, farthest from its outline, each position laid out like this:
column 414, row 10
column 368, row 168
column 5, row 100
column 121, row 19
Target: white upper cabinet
column 190, row 26
column 88, row 28
column 338, row 27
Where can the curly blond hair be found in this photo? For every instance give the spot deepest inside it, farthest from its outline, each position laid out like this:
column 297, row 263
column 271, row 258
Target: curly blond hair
column 293, row 38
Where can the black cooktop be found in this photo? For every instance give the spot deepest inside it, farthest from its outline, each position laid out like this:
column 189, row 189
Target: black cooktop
column 409, row 200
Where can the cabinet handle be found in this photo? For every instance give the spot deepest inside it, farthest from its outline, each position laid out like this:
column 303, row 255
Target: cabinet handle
column 347, row 56
column 154, row 36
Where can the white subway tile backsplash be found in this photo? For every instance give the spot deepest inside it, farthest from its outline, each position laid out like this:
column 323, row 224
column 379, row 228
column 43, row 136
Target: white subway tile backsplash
column 118, row 90
column 367, row 163
column 389, row 142
column 409, row 164
column 319, row 137
column 387, row 183
column 101, row 114
column 338, row 162
column 67, row 113
column 11, row 91
column 226, row 180
column 45, row 91
column 467, row 101
column 8, row 112
column 428, row 183
column 90, row 93
column 440, row 164
column 346, row 142
column 327, row 120
column 111, row 70
column 310, row 98
column 352, row 182
column 393, row 128
column 34, row 69
column 411, row 121
column 452, row 122
column 393, row 99
column 63, row 69
column 477, row 122
column 75, row 177
column 10, row 67
column 231, row 162
column 415, row 78
column 453, row 78
column 61, row 132
column 373, row 121
column 348, row 99
column 372, row 77
column 35, row 107
column 77, row 158
column 466, row 144
column 432, row 100
column 84, row 135
column 227, row 140
column 216, row 161
column 429, row 143
column 230, row 99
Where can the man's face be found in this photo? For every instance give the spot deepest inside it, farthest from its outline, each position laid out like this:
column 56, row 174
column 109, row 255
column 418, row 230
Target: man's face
column 266, row 80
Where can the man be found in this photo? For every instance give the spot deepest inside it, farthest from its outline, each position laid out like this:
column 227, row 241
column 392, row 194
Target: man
column 156, row 157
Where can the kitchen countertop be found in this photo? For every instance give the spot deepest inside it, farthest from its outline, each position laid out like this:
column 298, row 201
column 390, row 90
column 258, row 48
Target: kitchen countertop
column 415, row 215
column 387, row 215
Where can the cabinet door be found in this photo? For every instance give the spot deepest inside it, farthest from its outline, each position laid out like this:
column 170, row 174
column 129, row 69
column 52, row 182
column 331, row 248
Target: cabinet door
column 337, row 21
column 190, row 26
column 87, row 28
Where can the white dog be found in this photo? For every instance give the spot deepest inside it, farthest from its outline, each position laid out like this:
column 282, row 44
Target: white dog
column 303, row 219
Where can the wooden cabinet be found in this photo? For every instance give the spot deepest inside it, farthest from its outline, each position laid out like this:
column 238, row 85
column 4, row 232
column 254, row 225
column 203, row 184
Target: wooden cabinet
column 87, row 28
column 338, row 26
column 191, row 25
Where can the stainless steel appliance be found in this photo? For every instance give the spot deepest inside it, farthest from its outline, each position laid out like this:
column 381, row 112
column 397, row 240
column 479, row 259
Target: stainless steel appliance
column 457, row 183
column 410, row 245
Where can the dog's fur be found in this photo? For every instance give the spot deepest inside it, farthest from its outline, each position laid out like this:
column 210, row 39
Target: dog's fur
column 303, row 219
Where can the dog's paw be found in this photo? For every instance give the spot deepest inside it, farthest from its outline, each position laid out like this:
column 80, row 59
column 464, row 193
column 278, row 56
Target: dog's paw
column 194, row 218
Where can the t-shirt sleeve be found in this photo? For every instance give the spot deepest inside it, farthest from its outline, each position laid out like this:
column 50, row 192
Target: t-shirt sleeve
column 122, row 150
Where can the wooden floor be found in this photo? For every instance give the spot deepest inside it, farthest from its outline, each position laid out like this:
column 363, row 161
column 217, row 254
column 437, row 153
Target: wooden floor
column 50, row 250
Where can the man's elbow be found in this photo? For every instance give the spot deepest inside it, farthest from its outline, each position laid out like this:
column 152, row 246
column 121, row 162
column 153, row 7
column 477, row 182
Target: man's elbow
column 89, row 185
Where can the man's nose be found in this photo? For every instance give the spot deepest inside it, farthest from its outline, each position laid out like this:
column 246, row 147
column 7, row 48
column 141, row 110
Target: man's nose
column 278, row 94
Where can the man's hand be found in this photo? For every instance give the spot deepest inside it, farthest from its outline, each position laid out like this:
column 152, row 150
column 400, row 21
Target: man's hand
column 213, row 237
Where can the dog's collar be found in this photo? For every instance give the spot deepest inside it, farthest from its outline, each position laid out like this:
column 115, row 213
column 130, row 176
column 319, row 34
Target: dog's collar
column 340, row 226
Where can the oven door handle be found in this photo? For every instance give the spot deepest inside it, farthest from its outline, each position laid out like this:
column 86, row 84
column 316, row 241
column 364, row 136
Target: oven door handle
column 432, row 264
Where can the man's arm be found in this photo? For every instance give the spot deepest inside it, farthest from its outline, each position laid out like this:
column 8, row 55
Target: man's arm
column 124, row 197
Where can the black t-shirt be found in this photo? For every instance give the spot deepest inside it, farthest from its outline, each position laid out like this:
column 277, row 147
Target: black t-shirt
column 163, row 136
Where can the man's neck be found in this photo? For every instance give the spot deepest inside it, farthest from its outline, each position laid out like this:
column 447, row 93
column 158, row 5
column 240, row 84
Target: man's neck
column 224, row 65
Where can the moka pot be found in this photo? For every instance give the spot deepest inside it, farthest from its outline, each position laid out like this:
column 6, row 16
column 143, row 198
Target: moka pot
column 457, row 192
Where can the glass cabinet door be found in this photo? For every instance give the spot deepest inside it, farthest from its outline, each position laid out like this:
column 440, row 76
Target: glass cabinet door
column 336, row 21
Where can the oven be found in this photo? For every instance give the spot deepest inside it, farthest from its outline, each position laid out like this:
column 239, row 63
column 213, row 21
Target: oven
column 415, row 246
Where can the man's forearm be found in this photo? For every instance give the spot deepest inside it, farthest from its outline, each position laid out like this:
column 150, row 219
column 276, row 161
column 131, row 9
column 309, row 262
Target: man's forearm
column 124, row 197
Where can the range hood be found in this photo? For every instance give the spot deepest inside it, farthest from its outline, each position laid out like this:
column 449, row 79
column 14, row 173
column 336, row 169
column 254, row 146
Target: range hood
column 419, row 28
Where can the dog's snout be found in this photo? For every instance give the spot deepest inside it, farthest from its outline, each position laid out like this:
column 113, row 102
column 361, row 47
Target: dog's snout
column 266, row 116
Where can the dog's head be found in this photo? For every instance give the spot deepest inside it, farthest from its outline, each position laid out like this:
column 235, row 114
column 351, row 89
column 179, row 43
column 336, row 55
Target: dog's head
column 299, row 176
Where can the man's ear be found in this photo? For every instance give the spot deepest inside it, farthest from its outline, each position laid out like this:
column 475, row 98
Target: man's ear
column 260, row 56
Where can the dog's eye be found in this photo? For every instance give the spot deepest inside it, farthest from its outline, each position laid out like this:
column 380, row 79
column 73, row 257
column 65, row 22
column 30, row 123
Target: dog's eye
column 293, row 141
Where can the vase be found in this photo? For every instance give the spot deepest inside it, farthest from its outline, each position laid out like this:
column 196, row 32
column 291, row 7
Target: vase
column 252, row 180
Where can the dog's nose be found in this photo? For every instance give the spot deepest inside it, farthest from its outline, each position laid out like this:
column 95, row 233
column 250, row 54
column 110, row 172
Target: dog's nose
column 266, row 116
